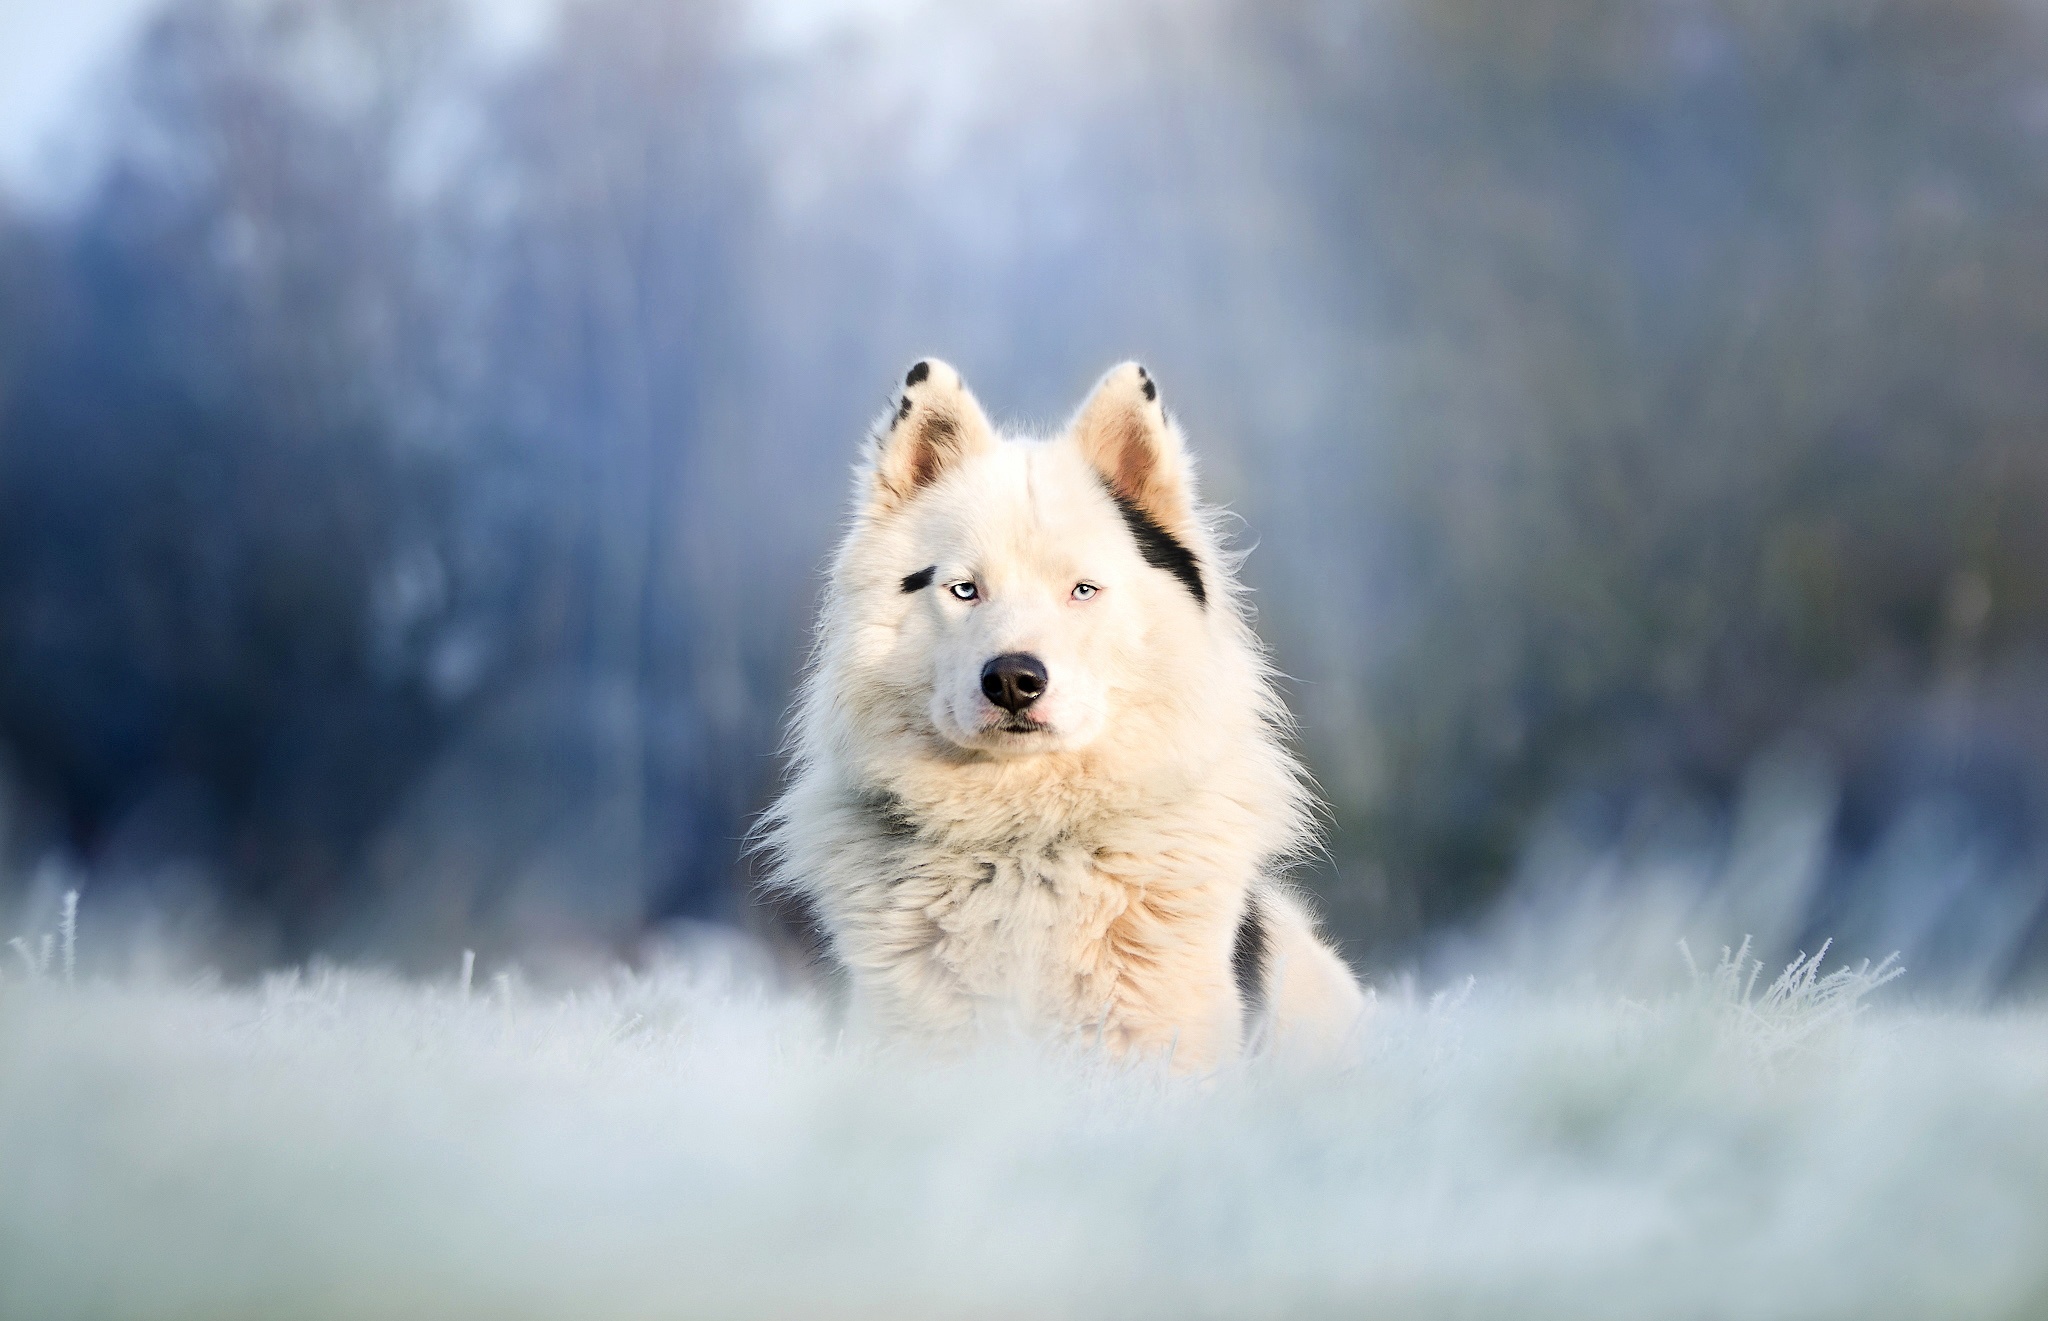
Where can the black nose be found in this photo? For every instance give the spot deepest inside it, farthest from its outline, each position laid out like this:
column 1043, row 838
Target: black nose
column 1014, row 681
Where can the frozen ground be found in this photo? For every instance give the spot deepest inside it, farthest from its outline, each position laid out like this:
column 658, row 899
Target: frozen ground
column 674, row 1144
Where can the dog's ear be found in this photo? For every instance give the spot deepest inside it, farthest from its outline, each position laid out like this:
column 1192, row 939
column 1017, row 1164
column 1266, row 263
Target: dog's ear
column 1124, row 432
column 934, row 424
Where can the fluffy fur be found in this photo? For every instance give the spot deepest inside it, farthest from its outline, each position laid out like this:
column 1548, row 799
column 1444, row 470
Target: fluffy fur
column 1103, row 864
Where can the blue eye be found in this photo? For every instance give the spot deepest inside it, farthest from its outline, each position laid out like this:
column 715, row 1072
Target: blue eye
column 963, row 591
column 1082, row 591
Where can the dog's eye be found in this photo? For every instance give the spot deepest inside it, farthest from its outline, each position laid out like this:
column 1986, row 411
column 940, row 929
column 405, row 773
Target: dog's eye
column 963, row 591
column 1082, row 591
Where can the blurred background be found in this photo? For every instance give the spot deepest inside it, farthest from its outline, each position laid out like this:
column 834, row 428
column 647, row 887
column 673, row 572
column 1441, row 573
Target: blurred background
column 422, row 424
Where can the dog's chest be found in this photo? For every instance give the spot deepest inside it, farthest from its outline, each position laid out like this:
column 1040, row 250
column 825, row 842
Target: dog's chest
column 1029, row 930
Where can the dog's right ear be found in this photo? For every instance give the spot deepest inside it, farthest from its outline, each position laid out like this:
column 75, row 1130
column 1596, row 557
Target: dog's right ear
column 935, row 423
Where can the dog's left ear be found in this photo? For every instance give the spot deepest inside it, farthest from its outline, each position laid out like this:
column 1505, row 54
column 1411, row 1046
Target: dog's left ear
column 1123, row 430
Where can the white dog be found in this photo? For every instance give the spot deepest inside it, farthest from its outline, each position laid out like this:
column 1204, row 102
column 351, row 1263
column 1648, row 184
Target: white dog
column 1040, row 778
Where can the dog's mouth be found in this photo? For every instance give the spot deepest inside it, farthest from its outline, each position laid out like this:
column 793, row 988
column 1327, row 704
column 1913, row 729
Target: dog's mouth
column 985, row 727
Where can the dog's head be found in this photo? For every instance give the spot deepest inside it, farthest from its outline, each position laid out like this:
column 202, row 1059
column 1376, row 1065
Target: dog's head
column 1016, row 596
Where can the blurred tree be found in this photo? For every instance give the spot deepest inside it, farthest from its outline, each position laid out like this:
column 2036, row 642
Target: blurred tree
column 1705, row 340
column 326, row 461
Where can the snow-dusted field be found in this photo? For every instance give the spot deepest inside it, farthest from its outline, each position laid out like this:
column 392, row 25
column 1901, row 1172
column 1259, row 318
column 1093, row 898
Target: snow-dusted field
column 673, row 1144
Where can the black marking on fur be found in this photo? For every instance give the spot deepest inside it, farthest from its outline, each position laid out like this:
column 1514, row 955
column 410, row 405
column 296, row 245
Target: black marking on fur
column 1161, row 549
column 918, row 373
column 1151, row 391
column 917, row 582
column 1248, row 961
column 886, row 810
column 988, row 873
column 902, row 411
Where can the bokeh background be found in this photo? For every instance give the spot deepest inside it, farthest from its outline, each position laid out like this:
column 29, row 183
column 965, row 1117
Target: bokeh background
column 422, row 423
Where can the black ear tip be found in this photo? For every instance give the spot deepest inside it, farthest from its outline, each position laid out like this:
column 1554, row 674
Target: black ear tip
column 1151, row 390
column 918, row 373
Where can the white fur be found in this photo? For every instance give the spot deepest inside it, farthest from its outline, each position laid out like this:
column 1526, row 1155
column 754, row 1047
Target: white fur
column 1085, row 878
